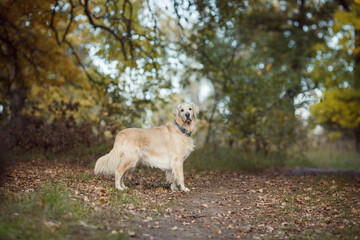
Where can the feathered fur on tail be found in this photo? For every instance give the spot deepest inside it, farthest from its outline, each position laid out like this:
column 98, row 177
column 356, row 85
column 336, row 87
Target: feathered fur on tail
column 108, row 164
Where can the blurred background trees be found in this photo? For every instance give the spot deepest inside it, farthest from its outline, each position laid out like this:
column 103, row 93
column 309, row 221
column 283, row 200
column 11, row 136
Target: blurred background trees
column 48, row 49
column 86, row 68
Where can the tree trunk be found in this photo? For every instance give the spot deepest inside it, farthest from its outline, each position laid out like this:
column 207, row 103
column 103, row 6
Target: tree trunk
column 211, row 120
column 357, row 138
column 357, row 60
column 17, row 106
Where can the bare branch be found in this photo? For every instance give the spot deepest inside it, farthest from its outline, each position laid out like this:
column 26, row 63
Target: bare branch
column 95, row 25
column 52, row 23
column 79, row 61
column 71, row 20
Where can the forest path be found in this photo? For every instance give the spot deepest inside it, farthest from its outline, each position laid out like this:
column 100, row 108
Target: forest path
column 220, row 205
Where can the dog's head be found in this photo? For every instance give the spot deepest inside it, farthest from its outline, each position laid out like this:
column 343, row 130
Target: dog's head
column 186, row 112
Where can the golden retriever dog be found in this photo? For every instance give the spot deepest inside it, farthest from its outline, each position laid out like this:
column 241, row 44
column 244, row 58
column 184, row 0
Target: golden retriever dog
column 165, row 147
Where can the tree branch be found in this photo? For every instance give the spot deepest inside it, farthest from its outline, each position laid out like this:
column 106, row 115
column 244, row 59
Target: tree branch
column 345, row 5
column 79, row 61
column 71, row 20
column 95, row 25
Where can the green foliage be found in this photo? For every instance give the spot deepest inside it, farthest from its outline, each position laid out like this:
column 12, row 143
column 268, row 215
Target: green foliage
column 256, row 55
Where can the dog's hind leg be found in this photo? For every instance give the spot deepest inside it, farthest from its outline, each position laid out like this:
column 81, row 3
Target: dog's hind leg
column 125, row 165
column 170, row 178
column 122, row 184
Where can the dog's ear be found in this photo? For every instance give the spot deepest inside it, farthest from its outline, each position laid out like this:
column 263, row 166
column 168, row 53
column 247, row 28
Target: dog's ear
column 175, row 111
column 195, row 109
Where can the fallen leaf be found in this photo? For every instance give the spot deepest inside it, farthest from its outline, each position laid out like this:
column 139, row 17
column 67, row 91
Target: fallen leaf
column 131, row 233
column 52, row 225
column 269, row 229
column 248, row 228
column 85, row 225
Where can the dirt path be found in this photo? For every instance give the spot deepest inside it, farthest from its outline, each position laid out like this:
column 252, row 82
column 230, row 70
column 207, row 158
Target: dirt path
column 223, row 206
column 220, row 205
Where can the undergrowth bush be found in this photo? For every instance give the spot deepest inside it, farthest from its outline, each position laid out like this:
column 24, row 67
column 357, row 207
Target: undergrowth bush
column 60, row 134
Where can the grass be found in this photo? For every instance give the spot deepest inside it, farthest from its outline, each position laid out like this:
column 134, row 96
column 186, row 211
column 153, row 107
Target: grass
column 220, row 159
column 232, row 160
column 118, row 198
column 49, row 213
column 333, row 158
column 237, row 160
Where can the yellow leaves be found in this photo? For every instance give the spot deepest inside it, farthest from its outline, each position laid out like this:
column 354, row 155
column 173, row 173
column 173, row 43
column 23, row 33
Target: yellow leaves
column 343, row 18
column 340, row 106
column 42, row 97
column 333, row 136
column 268, row 67
column 319, row 47
column 335, row 118
column 356, row 51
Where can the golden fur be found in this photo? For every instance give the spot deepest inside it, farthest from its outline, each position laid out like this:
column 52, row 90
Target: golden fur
column 164, row 147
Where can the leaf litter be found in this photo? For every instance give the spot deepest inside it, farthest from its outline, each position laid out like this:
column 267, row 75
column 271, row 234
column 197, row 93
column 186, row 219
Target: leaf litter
column 219, row 205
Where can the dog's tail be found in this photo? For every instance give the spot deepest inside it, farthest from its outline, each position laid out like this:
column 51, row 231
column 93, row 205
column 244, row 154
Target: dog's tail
column 108, row 164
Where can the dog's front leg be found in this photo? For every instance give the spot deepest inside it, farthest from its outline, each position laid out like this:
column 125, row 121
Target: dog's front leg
column 179, row 175
column 170, row 178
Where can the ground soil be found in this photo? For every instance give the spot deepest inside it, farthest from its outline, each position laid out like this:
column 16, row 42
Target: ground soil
column 220, row 205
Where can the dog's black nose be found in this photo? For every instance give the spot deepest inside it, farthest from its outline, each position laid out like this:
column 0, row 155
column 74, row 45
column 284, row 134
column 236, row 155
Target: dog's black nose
column 187, row 114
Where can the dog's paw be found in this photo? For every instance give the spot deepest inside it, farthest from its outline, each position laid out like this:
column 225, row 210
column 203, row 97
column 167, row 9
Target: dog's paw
column 173, row 187
column 119, row 188
column 185, row 189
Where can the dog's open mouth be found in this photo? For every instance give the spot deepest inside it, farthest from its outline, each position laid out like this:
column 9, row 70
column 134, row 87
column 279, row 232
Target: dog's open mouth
column 188, row 120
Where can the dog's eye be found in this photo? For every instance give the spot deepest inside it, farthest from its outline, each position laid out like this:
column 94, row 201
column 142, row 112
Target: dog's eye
column 190, row 109
column 182, row 110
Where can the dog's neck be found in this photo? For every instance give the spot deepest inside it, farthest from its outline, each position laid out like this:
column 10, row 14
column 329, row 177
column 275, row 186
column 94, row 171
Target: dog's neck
column 182, row 130
column 184, row 127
